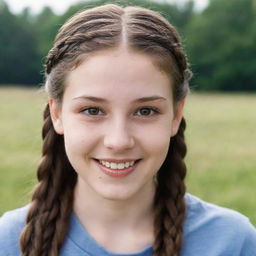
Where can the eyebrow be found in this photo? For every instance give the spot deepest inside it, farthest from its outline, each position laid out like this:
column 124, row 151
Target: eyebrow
column 139, row 100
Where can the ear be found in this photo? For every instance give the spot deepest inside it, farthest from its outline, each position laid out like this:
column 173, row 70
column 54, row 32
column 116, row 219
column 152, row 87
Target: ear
column 55, row 111
column 178, row 114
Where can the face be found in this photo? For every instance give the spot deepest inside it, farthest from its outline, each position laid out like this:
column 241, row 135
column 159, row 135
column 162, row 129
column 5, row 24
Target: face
column 117, row 118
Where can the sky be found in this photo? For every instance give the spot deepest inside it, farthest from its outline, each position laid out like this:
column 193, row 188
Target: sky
column 60, row 6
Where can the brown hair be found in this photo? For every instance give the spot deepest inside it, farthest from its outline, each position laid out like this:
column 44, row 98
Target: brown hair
column 106, row 27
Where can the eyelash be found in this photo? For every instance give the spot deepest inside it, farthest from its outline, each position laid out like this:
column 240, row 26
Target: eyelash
column 151, row 109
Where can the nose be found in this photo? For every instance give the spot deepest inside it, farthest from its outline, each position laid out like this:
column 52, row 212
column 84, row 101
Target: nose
column 118, row 137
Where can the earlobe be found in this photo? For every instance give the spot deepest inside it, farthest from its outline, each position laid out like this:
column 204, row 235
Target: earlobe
column 178, row 114
column 55, row 111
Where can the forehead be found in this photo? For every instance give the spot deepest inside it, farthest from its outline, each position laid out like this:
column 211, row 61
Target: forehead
column 118, row 71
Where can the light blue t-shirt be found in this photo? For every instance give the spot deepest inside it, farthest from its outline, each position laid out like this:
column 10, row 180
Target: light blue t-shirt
column 209, row 230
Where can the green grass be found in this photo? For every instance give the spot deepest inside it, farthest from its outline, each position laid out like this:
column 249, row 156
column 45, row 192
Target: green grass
column 220, row 135
column 20, row 129
column 221, row 156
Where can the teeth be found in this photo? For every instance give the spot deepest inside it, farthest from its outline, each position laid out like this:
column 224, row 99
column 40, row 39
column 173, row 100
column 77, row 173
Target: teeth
column 118, row 166
column 113, row 165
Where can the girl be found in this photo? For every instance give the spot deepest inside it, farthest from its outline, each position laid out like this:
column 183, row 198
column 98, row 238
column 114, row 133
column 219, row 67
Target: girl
column 111, row 178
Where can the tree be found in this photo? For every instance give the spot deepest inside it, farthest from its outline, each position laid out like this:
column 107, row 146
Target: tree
column 221, row 46
column 18, row 56
column 45, row 28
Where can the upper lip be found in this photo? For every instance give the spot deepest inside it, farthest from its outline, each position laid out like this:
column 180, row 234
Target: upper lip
column 117, row 160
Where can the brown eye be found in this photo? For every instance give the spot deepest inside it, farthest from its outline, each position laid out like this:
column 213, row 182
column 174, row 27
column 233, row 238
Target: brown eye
column 146, row 111
column 92, row 111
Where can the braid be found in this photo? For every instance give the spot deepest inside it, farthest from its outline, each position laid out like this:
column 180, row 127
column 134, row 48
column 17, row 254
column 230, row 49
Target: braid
column 169, row 198
column 93, row 27
column 52, row 198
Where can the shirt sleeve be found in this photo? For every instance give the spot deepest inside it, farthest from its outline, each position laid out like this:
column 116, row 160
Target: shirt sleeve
column 216, row 230
column 11, row 225
column 249, row 245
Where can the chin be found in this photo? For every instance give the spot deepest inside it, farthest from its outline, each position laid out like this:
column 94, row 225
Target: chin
column 117, row 194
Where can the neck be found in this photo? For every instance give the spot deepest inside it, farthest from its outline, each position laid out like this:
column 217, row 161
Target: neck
column 102, row 213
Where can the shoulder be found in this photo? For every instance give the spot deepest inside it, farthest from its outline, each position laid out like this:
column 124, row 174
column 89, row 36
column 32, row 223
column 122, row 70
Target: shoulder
column 224, row 229
column 11, row 225
column 205, row 213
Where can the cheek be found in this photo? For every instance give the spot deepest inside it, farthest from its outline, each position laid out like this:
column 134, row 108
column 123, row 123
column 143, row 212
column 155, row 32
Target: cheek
column 157, row 140
column 156, row 147
column 160, row 147
column 79, row 139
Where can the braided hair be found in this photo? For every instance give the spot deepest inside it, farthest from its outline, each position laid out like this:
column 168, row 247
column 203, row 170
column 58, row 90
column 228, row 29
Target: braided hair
column 89, row 31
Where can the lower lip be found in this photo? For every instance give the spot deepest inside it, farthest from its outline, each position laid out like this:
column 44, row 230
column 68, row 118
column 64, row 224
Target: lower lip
column 117, row 173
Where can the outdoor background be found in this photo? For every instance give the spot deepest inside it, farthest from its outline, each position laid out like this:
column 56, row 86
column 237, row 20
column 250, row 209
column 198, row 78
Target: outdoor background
column 221, row 135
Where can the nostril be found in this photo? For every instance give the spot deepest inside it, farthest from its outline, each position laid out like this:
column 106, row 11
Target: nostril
column 119, row 143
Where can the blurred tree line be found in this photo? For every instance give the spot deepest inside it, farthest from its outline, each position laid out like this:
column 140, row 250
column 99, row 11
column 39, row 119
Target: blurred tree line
column 219, row 41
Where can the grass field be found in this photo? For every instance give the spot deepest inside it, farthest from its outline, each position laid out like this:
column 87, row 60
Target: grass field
column 221, row 138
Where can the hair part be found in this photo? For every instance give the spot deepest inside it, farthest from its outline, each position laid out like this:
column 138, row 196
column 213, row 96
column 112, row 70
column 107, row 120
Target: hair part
column 107, row 27
column 111, row 26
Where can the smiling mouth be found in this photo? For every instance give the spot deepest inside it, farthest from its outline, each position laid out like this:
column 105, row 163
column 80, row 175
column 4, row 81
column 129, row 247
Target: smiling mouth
column 117, row 165
column 117, row 168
